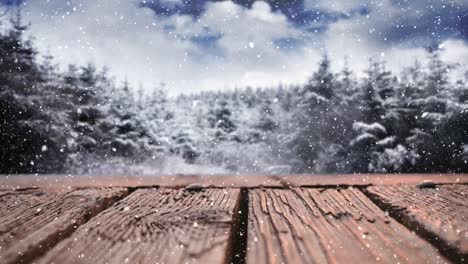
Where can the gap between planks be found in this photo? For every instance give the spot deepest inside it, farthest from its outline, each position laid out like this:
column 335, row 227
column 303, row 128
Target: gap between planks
column 446, row 244
column 237, row 242
column 305, row 225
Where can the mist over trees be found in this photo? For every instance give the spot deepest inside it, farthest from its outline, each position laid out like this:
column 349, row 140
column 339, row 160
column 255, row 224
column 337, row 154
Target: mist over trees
column 80, row 120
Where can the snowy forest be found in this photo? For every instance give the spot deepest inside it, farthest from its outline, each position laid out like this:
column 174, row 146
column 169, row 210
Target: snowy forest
column 81, row 120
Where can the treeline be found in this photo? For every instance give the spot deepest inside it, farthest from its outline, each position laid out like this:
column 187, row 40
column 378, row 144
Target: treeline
column 80, row 119
column 54, row 121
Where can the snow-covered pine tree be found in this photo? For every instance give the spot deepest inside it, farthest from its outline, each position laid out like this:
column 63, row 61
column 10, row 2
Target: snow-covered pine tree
column 27, row 142
column 312, row 123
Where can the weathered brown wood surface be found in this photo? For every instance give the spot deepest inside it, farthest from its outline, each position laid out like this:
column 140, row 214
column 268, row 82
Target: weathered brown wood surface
column 370, row 179
column 226, row 181
column 440, row 214
column 67, row 181
column 155, row 226
column 33, row 220
column 220, row 219
column 308, row 225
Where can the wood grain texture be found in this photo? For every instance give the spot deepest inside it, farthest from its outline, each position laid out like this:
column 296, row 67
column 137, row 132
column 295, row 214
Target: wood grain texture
column 34, row 220
column 155, row 226
column 439, row 214
column 368, row 179
column 308, row 225
column 224, row 181
column 66, row 181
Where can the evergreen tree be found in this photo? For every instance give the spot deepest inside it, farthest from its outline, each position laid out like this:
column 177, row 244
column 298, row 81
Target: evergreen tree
column 312, row 117
column 77, row 119
column 27, row 144
column 348, row 83
column 220, row 118
column 266, row 122
column 412, row 83
column 437, row 79
column 322, row 82
column 372, row 106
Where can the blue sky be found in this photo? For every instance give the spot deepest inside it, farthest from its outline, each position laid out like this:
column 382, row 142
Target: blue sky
column 205, row 44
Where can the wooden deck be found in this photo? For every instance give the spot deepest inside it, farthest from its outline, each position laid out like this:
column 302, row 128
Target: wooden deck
column 234, row 219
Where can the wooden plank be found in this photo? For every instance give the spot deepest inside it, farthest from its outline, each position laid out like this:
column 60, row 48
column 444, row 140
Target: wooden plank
column 439, row 214
column 226, row 181
column 237, row 181
column 328, row 180
column 66, row 181
column 34, row 220
column 155, row 226
column 308, row 225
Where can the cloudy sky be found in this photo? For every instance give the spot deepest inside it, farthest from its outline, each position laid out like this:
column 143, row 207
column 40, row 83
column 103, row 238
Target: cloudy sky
column 192, row 45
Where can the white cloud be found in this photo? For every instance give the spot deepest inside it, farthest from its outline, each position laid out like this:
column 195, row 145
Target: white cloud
column 132, row 41
column 455, row 51
column 359, row 39
column 362, row 37
column 108, row 32
column 146, row 48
